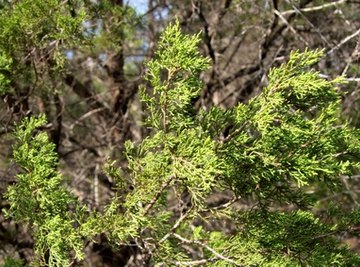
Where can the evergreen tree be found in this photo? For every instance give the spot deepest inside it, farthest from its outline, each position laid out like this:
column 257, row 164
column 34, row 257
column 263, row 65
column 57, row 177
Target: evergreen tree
column 277, row 151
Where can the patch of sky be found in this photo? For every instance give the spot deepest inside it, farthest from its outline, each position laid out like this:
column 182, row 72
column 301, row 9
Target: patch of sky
column 92, row 28
column 139, row 5
column 69, row 54
column 102, row 58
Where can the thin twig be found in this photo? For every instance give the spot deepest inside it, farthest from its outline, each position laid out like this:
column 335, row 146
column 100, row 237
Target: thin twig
column 158, row 194
column 176, row 225
column 310, row 23
column 227, row 204
column 86, row 115
column 314, row 8
column 344, row 41
column 277, row 13
column 216, row 254
column 234, row 133
column 189, row 263
column 324, row 76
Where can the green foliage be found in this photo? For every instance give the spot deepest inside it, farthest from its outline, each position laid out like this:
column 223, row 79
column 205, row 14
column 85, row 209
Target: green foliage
column 39, row 197
column 178, row 154
column 276, row 151
column 301, row 236
column 35, row 28
column 174, row 79
column 10, row 262
column 291, row 134
column 38, row 22
column 5, row 67
column 119, row 28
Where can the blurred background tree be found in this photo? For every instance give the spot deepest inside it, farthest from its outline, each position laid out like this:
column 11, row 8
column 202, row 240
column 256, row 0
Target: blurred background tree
column 81, row 63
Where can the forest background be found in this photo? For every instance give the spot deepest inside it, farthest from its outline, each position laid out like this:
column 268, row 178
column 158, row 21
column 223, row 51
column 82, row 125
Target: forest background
column 82, row 64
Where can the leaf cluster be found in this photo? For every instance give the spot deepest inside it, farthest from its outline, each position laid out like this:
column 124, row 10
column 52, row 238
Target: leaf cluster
column 274, row 151
column 39, row 197
column 36, row 31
